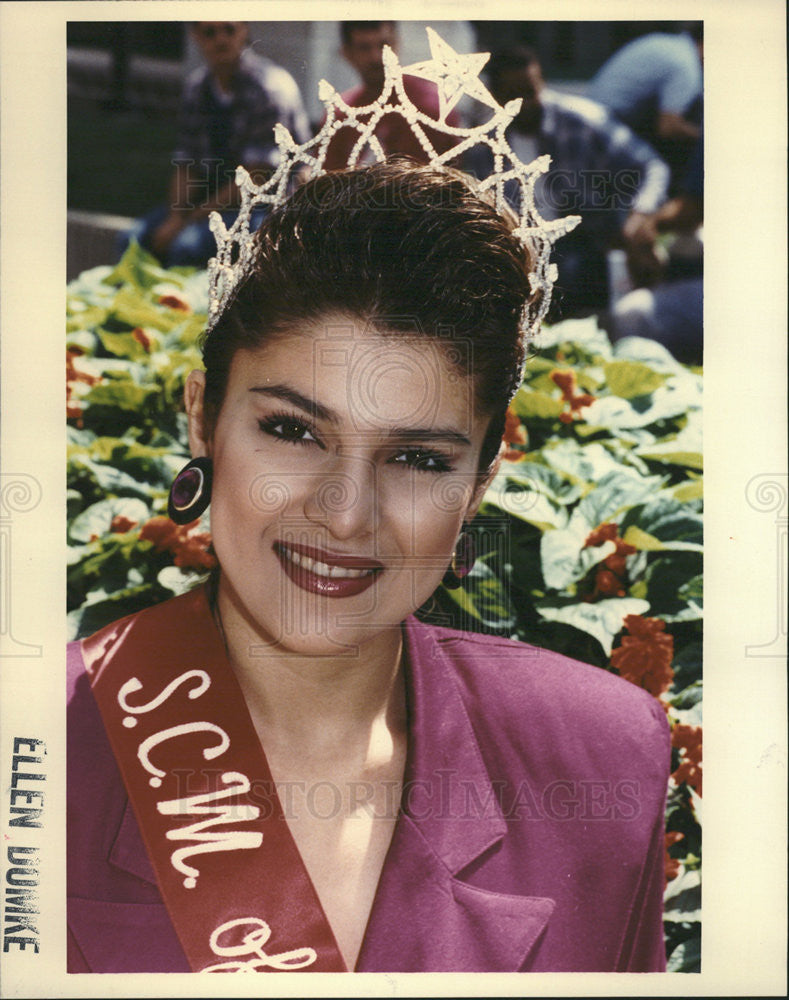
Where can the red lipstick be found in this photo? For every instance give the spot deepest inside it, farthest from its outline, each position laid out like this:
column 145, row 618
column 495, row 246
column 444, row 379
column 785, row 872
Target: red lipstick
column 331, row 574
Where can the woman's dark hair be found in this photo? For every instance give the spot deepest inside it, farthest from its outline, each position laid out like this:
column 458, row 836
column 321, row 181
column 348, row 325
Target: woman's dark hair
column 409, row 249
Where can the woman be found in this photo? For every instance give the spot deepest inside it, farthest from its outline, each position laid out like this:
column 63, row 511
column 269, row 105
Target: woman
column 317, row 779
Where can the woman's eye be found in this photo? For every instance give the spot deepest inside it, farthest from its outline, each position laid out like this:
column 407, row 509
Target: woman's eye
column 423, row 461
column 288, row 429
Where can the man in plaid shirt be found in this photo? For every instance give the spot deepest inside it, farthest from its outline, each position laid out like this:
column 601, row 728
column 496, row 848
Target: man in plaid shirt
column 230, row 107
column 599, row 170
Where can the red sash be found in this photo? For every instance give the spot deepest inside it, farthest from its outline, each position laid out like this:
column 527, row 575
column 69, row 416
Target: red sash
column 232, row 879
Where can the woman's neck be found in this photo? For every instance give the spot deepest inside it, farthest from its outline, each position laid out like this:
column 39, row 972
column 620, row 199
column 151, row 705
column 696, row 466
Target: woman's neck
column 331, row 705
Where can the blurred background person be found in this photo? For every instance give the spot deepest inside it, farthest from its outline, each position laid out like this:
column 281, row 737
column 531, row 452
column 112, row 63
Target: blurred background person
column 229, row 109
column 655, row 85
column 599, row 170
column 671, row 312
column 362, row 45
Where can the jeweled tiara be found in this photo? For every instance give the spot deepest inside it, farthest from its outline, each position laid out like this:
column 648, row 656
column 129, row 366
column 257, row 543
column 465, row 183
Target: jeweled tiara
column 456, row 76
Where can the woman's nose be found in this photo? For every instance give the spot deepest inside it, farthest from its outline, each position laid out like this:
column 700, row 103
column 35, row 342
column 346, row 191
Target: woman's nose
column 343, row 498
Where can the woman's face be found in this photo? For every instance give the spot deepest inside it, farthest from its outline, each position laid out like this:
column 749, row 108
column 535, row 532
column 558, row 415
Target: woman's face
column 345, row 463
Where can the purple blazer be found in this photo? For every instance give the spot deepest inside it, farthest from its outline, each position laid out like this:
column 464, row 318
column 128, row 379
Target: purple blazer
column 530, row 837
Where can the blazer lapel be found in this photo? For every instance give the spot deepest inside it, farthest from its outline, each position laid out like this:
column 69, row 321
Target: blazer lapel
column 129, row 936
column 425, row 916
column 128, row 850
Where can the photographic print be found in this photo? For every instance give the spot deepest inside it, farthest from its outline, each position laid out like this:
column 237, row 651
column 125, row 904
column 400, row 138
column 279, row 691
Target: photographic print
column 393, row 375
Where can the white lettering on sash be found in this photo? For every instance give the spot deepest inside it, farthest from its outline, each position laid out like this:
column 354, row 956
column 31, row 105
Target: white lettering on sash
column 167, row 734
column 217, row 840
column 203, row 839
column 134, row 684
column 252, row 944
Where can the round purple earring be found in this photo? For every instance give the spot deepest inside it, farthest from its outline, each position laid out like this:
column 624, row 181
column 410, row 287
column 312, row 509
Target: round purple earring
column 462, row 560
column 190, row 493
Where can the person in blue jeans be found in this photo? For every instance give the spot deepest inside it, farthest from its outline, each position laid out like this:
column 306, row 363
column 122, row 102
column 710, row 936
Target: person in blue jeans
column 229, row 109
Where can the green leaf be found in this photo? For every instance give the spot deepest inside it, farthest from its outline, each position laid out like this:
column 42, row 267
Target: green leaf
column 672, row 401
column 132, row 309
column 96, row 520
column 121, row 394
column 603, row 619
column 596, row 464
column 691, row 489
column 689, row 697
column 535, row 405
column 565, row 558
column 665, row 575
column 668, row 520
column 686, row 957
column 516, row 499
column 559, row 489
column 139, row 269
column 693, row 590
column 642, row 540
column 186, row 333
column 616, row 492
column 125, row 601
column 106, row 479
column 123, row 345
column 628, row 379
column 691, row 613
column 688, row 459
column 178, row 580
column 682, row 899
column 584, row 335
column 687, row 663
column 483, row 598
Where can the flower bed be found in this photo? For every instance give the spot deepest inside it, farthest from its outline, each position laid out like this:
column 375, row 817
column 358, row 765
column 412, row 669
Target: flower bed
column 589, row 538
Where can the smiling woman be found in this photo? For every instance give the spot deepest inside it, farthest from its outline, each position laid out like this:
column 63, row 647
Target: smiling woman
column 358, row 403
column 356, row 511
column 291, row 771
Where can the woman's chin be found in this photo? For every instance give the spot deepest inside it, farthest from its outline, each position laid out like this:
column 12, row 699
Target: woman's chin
column 335, row 641
column 303, row 624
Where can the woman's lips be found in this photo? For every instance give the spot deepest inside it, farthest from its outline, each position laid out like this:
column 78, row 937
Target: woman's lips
column 327, row 573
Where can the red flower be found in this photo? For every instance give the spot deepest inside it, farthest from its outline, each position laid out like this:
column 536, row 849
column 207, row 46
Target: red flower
column 605, row 533
column 672, row 864
column 607, row 584
column 159, row 530
column 609, row 580
column 514, row 434
column 616, row 561
column 121, row 524
column 566, row 381
column 73, row 374
column 142, row 338
column 645, row 656
column 687, row 739
column 174, row 302
column 188, row 546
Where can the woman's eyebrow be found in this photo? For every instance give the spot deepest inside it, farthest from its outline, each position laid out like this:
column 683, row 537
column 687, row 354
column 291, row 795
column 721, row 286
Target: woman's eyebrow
column 428, row 434
column 320, row 412
column 291, row 395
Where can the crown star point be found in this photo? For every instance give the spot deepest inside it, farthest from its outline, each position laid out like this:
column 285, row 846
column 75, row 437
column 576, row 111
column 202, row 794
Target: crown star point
column 454, row 74
column 513, row 107
column 389, row 58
